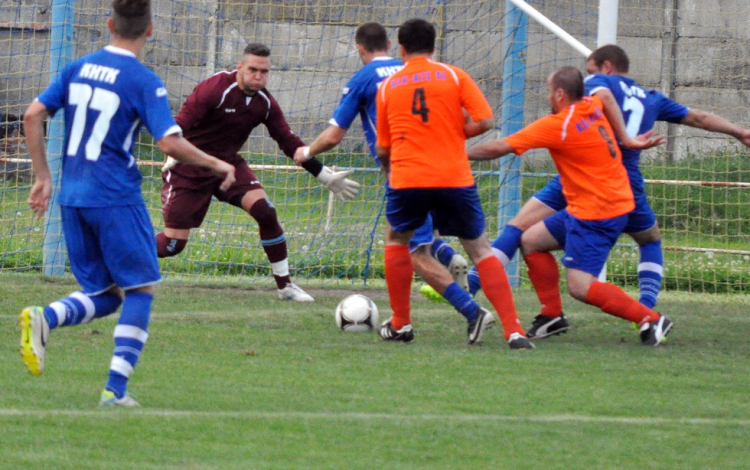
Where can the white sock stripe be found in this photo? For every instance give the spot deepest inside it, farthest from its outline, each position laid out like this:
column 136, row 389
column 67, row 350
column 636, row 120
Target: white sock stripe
column 501, row 256
column 60, row 310
column 88, row 304
column 280, row 268
column 121, row 366
column 132, row 332
column 653, row 267
column 127, row 350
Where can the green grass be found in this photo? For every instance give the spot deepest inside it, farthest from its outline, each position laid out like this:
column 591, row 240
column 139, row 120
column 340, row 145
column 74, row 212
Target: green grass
column 233, row 379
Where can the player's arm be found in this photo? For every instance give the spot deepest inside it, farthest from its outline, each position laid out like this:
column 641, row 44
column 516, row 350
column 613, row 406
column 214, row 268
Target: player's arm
column 328, row 139
column 474, row 128
column 191, row 114
column 183, row 151
column 33, row 122
column 384, row 155
column 489, row 150
column 711, row 122
column 335, row 181
column 614, row 115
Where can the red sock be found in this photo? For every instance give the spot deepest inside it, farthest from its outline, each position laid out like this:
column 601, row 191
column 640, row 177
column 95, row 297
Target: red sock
column 615, row 301
column 497, row 289
column 545, row 277
column 398, row 275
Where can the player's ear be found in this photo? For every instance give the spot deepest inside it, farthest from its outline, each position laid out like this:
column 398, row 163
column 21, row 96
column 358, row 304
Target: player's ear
column 150, row 30
column 111, row 25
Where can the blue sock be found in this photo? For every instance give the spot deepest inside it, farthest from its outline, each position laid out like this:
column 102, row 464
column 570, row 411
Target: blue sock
column 504, row 247
column 80, row 308
column 131, row 333
column 442, row 251
column 461, row 301
column 650, row 272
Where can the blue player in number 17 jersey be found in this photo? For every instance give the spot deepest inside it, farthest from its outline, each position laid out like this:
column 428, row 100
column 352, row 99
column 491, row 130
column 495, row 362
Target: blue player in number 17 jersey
column 106, row 97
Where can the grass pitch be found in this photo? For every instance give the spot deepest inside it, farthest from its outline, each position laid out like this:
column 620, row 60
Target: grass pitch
column 232, row 378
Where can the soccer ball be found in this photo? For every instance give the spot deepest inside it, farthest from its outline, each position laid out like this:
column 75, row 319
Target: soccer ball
column 357, row 313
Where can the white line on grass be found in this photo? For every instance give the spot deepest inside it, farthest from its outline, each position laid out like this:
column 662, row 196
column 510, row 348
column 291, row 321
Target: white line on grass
column 565, row 418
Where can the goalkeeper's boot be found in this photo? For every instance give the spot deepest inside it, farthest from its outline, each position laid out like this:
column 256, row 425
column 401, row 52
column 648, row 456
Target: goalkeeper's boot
column 431, row 294
column 293, row 292
column 519, row 341
column 654, row 333
column 388, row 333
column 459, row 269
column 544, row 326
column 108, row 398
column 34, row 335
column 483, row 322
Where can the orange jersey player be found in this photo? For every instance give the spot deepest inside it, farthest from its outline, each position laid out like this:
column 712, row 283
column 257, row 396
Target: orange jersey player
column 597, row 188
column 422, row 132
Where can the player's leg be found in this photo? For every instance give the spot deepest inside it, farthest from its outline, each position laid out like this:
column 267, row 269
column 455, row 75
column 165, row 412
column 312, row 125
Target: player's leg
column 543, row 204
column 129, row 250
column 184, row 206
column 643, row 228
column 447, row 256
column 98, row 298
column 256, row 203
column 536, row 244
column 586, row 249
column 459, row 213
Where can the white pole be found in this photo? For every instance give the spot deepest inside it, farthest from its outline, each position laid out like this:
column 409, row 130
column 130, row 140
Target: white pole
column 607, row 32
column 556, row 30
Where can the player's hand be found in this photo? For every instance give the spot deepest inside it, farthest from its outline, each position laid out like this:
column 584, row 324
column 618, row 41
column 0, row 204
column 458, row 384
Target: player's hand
column 645, row 141
column 168, row 164
column 226, row 171
column 744, row 137
column 301, row 155
column 337, row 182
column 39, row 196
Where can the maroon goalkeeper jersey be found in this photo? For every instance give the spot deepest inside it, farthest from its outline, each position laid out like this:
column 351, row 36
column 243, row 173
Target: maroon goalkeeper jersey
column 218, row 118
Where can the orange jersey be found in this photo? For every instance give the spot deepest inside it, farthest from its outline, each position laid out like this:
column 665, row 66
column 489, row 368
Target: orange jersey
column 582, row 144
column 420, row 117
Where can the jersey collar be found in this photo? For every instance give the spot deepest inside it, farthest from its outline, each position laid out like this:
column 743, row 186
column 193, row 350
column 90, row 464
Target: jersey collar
column 119, row 51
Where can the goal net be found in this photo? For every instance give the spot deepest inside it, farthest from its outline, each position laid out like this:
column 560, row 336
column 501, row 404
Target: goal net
column 696, row 55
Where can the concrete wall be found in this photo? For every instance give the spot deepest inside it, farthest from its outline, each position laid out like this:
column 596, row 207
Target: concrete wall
column 699, row 54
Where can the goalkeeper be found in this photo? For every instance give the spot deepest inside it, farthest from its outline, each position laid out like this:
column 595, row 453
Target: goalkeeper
column 217, row 118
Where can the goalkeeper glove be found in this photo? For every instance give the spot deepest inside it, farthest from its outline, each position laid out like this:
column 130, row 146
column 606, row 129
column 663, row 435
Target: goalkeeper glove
column 168, row 164
column 338, row 183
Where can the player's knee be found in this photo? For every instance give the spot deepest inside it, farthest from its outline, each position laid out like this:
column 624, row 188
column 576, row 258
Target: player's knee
column 166, row 247
column 264, row 213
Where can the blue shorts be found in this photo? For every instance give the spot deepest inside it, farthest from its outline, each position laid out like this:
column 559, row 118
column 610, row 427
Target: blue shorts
column 110, row 246
column 551, row 195
column 587, row 243
column 455, row 211
column 423, row 235
column 642, row 217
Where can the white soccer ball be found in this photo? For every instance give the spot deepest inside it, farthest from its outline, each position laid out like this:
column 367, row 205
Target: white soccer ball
column 357, row 313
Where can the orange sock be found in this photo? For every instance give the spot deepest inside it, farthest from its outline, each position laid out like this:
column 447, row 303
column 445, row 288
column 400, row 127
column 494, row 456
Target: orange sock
column 615, row 301
column 398, row 275
column 497, row 289
column 545, row 277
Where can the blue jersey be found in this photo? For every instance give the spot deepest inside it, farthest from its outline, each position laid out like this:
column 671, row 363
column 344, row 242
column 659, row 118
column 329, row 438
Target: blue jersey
column 359, row 97
column 641, row 109
column 106, row 96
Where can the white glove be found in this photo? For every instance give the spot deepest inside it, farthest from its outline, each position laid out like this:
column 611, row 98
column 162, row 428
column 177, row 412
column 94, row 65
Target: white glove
column 338, row 183
column 169, row 163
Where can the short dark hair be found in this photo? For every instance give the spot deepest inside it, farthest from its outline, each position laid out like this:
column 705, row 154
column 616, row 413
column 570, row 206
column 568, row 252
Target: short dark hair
column 417, row 36
column 614, row 54
column 372, row 36
column 131, row 17
column 261, row 50
column 570, row 80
